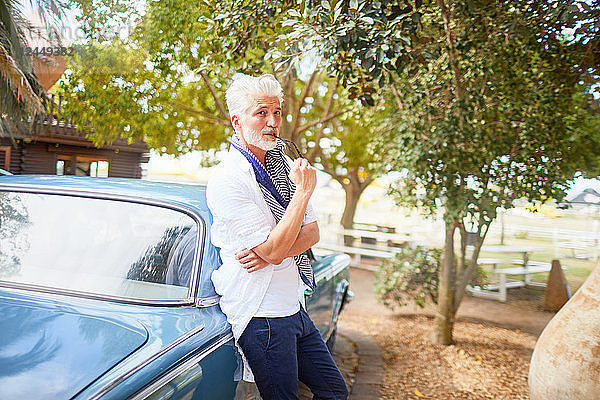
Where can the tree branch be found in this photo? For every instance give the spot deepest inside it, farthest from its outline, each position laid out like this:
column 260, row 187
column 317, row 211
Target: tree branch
column 204, row 114
column 397, row 97
column 288, row 90
column 463, row 278
column 321, row 121
column 300, row 104
column 452, row 55
column 218, row 102
column 328, row 105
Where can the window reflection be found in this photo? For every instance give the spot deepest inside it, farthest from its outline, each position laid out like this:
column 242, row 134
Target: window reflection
column 107, row 247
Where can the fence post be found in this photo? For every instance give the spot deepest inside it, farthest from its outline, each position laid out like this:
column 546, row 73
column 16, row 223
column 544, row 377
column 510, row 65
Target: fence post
column 595, row 228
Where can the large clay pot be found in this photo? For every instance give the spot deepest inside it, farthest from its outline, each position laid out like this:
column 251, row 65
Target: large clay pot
column 565, row 363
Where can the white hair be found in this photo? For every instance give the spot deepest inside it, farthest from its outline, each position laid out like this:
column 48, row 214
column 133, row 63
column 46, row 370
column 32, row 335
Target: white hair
column 244, row 87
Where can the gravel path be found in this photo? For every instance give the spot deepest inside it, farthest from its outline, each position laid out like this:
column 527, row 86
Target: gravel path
column 489, row 360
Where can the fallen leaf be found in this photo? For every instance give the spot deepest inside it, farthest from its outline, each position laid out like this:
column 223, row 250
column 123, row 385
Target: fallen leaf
column 419, row 394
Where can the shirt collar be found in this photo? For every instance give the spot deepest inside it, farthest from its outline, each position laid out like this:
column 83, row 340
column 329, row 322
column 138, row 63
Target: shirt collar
column 238, row 159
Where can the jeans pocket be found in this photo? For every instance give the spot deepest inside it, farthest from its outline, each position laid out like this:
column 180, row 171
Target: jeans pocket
column 261, row 328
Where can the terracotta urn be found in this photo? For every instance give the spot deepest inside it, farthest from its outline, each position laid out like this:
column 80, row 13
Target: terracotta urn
column 565, row 363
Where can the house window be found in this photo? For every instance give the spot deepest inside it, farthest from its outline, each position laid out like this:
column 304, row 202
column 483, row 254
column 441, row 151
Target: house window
column 81, row 165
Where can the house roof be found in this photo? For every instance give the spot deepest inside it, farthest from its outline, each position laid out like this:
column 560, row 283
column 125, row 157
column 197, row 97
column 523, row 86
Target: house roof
column 586, row 196
column 54, row 129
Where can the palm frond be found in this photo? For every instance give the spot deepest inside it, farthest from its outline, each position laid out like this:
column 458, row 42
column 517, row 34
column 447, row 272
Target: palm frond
column 20, row 90
column 16, row 81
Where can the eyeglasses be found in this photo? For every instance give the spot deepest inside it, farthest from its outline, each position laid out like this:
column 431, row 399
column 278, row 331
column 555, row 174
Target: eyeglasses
column 292, row 148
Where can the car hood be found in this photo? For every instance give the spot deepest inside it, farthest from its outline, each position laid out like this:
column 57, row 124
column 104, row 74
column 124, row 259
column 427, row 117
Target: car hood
column 53, row 351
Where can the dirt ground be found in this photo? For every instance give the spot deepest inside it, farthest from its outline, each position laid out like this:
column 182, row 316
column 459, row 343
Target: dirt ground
column 490, row 357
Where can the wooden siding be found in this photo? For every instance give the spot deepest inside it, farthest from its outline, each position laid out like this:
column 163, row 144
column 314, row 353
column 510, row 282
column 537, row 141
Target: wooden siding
column 29, row 156
column 35, row 159
column 125, row 165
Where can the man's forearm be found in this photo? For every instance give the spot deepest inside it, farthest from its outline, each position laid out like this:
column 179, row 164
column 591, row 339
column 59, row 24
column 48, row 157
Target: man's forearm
column 284, row 235
column 308, row 237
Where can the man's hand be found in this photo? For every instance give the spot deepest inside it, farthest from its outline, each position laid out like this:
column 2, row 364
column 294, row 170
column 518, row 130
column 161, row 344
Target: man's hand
column 303, row 175
column 250, row 260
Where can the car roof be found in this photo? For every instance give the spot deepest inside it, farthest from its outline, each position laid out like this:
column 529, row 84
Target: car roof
column 189, row 195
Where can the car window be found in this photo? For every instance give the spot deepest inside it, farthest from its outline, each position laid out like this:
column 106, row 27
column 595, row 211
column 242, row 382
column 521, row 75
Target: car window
column 105, row 247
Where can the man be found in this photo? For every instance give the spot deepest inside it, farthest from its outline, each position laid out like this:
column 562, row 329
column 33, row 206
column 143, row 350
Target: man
column 263, row 223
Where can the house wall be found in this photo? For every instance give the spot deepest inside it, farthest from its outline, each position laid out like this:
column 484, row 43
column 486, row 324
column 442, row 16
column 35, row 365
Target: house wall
column 125, row 165
column 40, row 158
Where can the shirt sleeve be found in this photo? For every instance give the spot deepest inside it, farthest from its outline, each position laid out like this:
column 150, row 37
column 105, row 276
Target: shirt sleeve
column 238, row 221
column 309, row 215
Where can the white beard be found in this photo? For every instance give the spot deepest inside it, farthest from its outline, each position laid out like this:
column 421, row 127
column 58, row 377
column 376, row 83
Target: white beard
column 255, row 138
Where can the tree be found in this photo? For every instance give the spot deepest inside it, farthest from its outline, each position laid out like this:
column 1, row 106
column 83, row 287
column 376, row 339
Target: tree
column 577, row 22
column 19, row 88
column 498, row 116
column 487, row 95
column 165, row 84
column 363, row 41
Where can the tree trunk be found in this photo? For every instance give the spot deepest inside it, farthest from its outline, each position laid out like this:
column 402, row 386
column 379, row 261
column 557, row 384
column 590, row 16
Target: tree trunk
column 353, row 192
column 444, row 319
column 463, row 278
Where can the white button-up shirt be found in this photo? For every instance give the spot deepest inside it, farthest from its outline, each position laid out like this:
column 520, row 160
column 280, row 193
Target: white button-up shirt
column 241, row 220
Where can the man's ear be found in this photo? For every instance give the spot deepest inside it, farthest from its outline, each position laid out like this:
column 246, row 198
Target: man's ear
column 236, row 122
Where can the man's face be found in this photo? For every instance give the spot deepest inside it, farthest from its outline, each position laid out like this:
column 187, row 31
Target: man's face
column 261, row 122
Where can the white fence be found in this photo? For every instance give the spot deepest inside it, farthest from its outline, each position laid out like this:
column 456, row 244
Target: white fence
column 577, row 243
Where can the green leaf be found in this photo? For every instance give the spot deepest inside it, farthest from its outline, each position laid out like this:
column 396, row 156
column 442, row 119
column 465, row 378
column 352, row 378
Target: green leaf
column 368, row 20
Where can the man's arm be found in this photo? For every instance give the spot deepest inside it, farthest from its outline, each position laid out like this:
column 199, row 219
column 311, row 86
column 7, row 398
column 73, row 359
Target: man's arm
column 308, row 237
column 284, row 235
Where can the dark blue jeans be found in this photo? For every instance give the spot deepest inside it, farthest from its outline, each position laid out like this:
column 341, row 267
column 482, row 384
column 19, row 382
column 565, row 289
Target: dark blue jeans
column 281, row 351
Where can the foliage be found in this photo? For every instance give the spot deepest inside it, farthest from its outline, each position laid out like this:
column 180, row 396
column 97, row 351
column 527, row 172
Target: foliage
column 506, row 131
column 411, row 275
column 576, row 23
column 362, row 40
column 20, row 90
column 165, row 84
column 499, row 114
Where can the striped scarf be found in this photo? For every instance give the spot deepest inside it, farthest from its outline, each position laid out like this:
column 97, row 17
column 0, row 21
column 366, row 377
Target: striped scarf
column 277, row 189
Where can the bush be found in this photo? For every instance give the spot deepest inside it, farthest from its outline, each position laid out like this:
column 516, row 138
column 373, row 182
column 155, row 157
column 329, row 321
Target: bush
column 411, row 275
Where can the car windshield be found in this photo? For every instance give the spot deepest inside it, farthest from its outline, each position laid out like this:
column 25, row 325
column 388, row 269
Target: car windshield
column 105, row 247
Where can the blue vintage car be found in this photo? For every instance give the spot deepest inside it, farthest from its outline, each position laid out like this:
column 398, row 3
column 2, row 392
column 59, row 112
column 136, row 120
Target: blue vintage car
column 105, row 292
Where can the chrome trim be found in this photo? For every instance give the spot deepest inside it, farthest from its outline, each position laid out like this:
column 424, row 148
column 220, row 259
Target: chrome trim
column 349, row 296
column 335, row 268
column 92, row 296
column 193, row 289
column 177, row 371
column 147, row 361
column 207, row 301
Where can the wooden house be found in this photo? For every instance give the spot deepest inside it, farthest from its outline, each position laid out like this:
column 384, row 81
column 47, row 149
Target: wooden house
column 56, row 146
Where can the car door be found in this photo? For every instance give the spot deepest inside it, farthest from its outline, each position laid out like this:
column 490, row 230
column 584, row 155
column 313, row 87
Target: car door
column 319, row 304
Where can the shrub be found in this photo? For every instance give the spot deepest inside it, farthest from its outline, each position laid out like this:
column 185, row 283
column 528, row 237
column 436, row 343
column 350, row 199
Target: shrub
column 411, row 275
